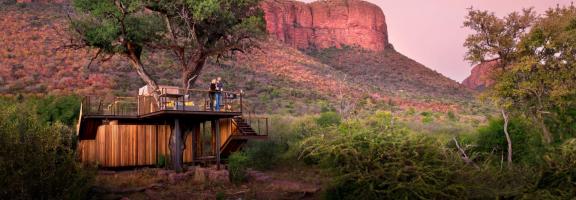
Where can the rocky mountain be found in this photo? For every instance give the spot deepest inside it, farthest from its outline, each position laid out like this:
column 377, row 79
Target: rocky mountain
column 480, row 76
column 327, row 23
column 351, row 36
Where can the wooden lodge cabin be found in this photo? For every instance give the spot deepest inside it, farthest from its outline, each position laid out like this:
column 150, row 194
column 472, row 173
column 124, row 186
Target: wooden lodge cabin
column 135, row 131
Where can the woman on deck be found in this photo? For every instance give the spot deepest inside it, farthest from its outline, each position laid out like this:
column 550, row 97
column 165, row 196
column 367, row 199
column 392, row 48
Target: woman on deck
column 219, row 90
column 212, row 94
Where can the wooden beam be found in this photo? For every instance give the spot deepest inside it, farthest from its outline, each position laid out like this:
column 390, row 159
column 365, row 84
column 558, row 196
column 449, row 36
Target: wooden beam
column 217, row 132
column 176, row 146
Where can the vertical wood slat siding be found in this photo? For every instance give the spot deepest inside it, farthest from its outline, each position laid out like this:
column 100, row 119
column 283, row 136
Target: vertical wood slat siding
column 225, row 130
column 136, row 145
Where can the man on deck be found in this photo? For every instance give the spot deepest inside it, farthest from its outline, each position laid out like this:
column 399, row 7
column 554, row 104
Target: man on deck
column 219, row 90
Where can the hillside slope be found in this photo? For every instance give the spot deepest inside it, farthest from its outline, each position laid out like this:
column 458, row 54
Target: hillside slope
column 392, row 73
column 277, row 78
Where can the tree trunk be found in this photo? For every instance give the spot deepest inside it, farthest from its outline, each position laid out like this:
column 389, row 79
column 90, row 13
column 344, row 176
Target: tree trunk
column 190, row 75
column 176, row 146
column 546, row 135
column 136, row 62
column 507, row 137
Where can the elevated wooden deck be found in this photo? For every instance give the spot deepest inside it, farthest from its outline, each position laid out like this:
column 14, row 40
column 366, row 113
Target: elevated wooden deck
column 135, row 131
column 88, row 126
column 172, row 103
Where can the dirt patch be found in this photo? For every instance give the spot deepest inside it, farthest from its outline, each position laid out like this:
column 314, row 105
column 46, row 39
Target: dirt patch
column 205, row 183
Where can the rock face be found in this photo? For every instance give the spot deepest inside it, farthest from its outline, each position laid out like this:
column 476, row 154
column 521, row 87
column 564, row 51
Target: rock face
column 480, row 76
column 327, row 23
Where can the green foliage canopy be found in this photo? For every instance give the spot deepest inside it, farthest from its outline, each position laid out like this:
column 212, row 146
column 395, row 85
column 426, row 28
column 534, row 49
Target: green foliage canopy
column 38, row 160
column 192, row 30
column 495, row 38
column 541, row 83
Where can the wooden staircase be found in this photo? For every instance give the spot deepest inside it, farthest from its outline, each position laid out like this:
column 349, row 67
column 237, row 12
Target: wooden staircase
column 243, row 127
column 240, row 137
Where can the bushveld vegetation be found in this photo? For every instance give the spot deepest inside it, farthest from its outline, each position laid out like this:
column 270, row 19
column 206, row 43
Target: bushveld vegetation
column 527, row 153
column 37, row 149
column 377, row 156
column 372, row 151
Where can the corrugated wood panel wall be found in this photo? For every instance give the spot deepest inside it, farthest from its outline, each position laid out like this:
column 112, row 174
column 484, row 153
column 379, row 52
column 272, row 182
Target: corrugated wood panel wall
column 225, row 130
column 137, row 145
column 127, row 145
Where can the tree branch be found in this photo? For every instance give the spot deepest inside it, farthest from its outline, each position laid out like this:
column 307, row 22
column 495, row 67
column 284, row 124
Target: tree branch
column 463, row 154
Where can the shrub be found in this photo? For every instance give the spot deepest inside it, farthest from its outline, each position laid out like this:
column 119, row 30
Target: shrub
column 328, row 118
column 237, row 167
column 373, row 160
column 526, row 144
column 557, row 180
column 63, row 109
column 427, row 119
column 262, row 155
column 452, row 116
column 161, row 162
column 37, row 160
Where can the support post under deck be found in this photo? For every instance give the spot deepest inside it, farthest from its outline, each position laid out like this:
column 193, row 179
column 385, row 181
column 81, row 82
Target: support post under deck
column 217, row 132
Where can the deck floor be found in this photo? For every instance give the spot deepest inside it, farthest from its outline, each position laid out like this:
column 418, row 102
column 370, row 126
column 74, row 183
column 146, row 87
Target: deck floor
column 89, row 123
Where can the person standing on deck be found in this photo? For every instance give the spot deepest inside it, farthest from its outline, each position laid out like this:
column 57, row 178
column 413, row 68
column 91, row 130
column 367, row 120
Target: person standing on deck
column 212, row 93
column 219, row 90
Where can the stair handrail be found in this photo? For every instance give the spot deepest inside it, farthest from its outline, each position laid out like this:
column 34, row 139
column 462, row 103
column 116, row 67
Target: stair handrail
column 250, row 118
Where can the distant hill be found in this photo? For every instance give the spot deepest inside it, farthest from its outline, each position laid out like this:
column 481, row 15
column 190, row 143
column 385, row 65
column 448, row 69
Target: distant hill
column 392, row 73
column 277, row 77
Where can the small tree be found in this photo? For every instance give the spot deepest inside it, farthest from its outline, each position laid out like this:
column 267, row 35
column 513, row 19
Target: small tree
column 496, row 39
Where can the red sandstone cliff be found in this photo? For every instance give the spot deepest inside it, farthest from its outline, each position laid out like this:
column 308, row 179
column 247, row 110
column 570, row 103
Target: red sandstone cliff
column 480, row 76
column 327, row 23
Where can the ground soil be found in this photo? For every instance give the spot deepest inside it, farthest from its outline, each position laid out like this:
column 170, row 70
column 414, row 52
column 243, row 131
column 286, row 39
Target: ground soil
column 283, row 182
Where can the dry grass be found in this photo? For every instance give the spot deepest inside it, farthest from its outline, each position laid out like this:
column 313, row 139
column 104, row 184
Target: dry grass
column 280, row 185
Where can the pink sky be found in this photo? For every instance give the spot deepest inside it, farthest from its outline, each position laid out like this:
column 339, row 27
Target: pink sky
column 431, row 32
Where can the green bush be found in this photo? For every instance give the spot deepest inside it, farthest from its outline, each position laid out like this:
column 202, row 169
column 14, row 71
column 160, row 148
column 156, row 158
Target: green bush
column 526, row 143
column 328, row 119
column 237, row 167
column 427, row 119
column 558, row 179
column 63, row 109
column 48, row 109
column 37, row 160
column 161, row 162
column 451, row 116
column 373, row 160
column 263, row 155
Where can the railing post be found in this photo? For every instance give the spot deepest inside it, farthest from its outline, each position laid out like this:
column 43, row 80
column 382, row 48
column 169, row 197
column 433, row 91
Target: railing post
column 266, row 126
column 241, row 105
column 89, row 105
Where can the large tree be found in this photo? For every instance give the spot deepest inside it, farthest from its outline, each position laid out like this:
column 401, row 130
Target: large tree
column 200, row 29
column 540, row 84
column 537, row 75
column 193, row 31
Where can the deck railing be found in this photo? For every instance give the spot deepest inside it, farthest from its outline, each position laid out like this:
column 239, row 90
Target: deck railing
column 258, row 122
column 174, row 99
